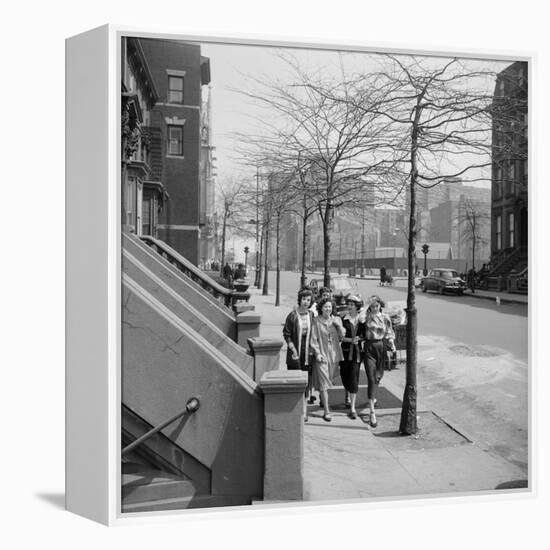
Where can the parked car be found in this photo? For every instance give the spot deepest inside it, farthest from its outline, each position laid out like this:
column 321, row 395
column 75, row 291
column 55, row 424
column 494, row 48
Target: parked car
column 443, row 280
column 340, row 286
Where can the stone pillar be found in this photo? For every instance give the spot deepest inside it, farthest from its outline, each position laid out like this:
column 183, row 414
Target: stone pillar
column 284, row 434
column 248, row 326
column 267, row 355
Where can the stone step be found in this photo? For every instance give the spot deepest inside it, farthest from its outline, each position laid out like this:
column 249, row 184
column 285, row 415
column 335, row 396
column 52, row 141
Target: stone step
column 194, row 501
column 145, row 485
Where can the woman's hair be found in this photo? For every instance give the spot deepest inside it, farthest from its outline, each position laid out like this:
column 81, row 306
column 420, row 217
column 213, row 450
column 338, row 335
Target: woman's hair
column 321, row 304
column 324, row 289
column 304, row 293
column 355, row 300
column 377, row 300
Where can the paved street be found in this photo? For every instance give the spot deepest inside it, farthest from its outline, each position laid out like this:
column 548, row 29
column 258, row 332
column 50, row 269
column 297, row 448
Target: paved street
column 472, row 364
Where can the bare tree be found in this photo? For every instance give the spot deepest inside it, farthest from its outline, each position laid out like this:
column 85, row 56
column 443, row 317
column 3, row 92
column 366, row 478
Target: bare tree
column 440, row 110
column 474, row 220
column 342, row 144
column 232, row 195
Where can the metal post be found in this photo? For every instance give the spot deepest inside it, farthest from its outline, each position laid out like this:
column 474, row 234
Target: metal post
column 340, row 253
column 257, row 277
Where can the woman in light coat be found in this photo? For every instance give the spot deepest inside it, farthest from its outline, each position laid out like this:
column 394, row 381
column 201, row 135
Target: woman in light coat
column 325, row 341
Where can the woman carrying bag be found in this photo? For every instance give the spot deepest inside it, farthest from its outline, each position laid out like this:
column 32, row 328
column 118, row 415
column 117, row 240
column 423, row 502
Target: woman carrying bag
column 379, row 337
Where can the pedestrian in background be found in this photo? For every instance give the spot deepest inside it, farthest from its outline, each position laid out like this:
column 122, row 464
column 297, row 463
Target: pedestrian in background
column 297, row 335
column 354, row 336
column 325, row 341
column 379, row 337
column 324, row 293
column 472, row 280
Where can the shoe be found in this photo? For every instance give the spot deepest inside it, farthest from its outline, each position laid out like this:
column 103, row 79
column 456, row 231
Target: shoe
column 305, row 418
column 353, row 415
column 327, row 417
column 373, row 421
column 311, row 400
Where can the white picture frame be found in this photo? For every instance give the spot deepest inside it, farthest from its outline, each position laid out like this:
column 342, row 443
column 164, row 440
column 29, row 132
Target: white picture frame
column 93, row 272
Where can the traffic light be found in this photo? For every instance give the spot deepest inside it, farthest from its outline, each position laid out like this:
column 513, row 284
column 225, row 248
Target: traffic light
column 246, row 250
column 425, row 249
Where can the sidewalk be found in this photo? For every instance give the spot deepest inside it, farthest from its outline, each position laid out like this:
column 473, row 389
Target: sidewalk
column 347, row 459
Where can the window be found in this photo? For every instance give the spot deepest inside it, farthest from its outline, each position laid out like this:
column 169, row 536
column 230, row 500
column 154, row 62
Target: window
column 131, row 201
column 511, row 177
column 511, row 230
column 498, row 232
column 175, row 89
column 498, row 183
column 175, row 140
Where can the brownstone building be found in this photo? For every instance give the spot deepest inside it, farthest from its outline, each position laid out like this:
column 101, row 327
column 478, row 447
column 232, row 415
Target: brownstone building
column 509, row 222
column 142, row 193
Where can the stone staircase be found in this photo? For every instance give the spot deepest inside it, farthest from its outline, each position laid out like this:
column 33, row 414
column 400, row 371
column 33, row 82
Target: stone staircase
column 508, row 271
column 184, row 342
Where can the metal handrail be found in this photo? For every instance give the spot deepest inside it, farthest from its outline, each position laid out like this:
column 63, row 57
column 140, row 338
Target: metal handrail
column 191, row 406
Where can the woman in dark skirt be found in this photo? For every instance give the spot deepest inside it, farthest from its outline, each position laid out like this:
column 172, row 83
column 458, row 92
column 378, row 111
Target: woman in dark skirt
column 297, row 335
column 354, row 336
column 379, row 336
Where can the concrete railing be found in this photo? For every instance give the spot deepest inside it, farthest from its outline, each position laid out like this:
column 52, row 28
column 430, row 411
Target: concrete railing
column 284, row 434
column 230, row 298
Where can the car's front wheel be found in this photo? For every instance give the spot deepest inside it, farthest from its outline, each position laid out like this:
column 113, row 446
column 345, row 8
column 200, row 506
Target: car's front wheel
column 441, row 289
column 423, row 286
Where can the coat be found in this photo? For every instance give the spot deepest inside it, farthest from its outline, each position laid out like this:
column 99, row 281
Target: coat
column 352, row 352
column 291, row 334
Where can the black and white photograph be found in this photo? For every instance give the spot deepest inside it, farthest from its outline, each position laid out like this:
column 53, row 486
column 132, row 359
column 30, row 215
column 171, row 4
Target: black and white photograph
column 275, row 274
column 324, row 274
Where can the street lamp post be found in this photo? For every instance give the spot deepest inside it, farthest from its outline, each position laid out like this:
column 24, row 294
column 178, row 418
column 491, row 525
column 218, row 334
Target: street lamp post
column 246, row 250
column 425, row 250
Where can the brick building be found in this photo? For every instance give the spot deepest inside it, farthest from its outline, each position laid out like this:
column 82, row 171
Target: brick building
column 178, row 73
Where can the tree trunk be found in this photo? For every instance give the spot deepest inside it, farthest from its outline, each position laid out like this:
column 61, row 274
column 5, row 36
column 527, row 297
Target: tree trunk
column 303, row 280
column 326, row 247
column 265, row 289
column 278, row 263
column 408, row 424
column 259, row 274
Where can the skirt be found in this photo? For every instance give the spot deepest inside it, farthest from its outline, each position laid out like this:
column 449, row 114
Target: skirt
column 321, row 376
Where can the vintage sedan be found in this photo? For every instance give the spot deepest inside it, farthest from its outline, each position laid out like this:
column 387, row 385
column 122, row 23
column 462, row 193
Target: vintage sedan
column 443, row 280
column 340, row 286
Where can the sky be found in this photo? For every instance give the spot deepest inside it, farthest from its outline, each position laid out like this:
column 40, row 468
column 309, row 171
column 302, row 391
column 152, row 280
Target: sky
column 233, row 68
